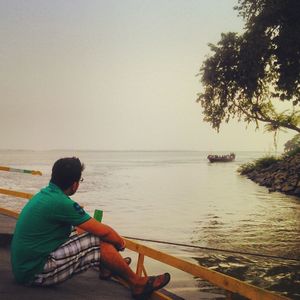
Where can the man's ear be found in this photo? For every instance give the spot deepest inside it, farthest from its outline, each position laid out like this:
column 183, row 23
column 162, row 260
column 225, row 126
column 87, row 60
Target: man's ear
column 72, row 189
column 75, row 186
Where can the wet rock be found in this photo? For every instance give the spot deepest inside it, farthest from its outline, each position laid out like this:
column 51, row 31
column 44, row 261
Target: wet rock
column 297, row 192
column 282, row 176
column 277, row 270
column 286, row 187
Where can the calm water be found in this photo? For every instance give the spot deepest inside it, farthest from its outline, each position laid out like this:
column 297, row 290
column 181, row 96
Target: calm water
column 180, row 197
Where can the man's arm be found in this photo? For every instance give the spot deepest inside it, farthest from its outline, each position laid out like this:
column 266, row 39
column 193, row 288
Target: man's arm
column 105, row 232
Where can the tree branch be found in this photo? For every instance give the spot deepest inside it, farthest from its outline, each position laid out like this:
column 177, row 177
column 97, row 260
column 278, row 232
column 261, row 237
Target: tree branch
column 266, row 119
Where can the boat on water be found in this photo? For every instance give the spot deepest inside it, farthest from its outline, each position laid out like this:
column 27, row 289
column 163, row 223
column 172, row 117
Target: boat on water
column 88, row 286
column 221, row 158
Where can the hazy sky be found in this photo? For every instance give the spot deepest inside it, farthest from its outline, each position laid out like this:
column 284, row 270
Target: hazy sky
column 112, row 75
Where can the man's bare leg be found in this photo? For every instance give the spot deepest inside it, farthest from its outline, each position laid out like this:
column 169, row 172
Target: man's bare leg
column 113, row 261
column 106, row 274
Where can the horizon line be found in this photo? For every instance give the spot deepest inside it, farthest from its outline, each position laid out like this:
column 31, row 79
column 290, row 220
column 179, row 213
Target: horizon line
column 133, row 150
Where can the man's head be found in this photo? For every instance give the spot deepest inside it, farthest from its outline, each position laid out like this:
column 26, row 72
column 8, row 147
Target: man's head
column 66, row 174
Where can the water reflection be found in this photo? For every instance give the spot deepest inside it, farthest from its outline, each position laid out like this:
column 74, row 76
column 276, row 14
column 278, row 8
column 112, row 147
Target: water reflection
column 180, row 197
column 255, row 221
column 274, row 275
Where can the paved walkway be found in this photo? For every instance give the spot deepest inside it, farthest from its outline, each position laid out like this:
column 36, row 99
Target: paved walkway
column 83, row 286
column 7, row 224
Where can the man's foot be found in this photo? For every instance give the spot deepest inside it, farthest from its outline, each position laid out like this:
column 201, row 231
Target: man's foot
column 152, row 284
column 106, row 274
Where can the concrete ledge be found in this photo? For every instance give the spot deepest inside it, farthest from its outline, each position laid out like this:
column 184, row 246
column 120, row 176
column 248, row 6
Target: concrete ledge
column 83, row 286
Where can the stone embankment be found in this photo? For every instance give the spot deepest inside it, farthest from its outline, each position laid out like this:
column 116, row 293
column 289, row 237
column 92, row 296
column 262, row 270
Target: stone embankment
column 282, row 176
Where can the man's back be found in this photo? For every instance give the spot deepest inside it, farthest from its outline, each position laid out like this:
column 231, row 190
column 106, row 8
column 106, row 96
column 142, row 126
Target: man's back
column 43, row 225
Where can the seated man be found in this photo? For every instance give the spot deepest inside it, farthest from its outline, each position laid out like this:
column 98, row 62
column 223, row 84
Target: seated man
column 44, row 252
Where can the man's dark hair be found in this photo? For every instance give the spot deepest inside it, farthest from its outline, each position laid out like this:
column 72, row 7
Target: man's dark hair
column 66, row 171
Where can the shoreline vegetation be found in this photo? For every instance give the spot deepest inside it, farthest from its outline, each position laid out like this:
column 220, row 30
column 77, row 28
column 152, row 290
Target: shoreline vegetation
column 248, row 73
column 278, row 174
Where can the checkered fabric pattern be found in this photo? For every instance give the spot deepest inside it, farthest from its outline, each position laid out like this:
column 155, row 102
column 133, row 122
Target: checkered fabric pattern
column 78, row 254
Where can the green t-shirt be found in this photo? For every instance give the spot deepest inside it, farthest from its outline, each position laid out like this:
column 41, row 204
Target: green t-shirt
column 44, row 224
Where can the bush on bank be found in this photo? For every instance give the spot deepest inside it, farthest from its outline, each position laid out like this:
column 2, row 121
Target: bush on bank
column 258, row 164
column 280, row 174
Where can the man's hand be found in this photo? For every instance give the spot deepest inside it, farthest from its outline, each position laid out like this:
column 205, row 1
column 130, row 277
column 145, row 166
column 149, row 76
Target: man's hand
column 122, row 248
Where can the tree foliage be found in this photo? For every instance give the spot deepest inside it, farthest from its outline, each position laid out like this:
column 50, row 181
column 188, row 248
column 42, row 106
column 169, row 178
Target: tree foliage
column 292, row 144
column 247, row 73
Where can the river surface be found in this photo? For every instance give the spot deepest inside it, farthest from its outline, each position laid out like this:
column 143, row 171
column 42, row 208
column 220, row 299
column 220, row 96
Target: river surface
column 180, row 197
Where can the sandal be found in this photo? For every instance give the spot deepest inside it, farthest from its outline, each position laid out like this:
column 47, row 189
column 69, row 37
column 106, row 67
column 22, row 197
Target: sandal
column 149, row 287
column 106, row 274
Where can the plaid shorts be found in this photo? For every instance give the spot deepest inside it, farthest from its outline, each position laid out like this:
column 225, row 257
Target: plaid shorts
column 76, row 255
